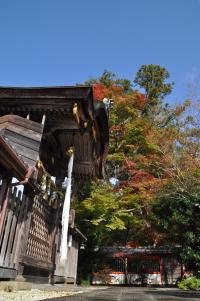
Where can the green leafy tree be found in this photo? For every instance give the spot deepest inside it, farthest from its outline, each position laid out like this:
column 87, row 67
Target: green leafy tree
column 176, row 214
column 139, row 151
column 109, row 215
column 152, row 78
column 109, row 79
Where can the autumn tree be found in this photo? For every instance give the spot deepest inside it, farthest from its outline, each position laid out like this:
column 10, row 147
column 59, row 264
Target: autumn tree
column 139, row 147
column 175, row 210
column 148, row 140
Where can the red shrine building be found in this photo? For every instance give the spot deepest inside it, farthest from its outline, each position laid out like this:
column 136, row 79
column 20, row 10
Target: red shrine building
column 134, row 265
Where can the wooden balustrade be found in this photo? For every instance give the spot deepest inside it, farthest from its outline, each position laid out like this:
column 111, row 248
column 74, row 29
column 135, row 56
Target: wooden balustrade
column 10, row 220
column 28, row 232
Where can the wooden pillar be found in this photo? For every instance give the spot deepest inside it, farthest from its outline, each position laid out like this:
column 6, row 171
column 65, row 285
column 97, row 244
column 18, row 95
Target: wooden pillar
column 20, row 271
column 4, row 203
column 2, row 191
column 53, row 238
column 19, row 231
column 126, row 269
column 162, row 271
column 23, row 234
column 182, row 269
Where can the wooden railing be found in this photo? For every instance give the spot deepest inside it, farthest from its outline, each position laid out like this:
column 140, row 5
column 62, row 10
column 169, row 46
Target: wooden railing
column 11, row 218
column 29, row 224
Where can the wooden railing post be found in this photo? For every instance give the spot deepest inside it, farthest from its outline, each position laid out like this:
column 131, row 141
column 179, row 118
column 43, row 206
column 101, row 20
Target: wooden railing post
column 3, row 188
column 19, row 231
column 4, row 203
column 23, row 234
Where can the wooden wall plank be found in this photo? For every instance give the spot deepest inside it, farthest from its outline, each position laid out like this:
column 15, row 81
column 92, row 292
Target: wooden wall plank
column 6, row 237
column 37, row 263
column 24, row 151
column 28, row 161
column 22, row 131
column 22, row 122
column 19, row 231
column 24, row 141
column 7, row 273
column 17, row 201
column 24, row 231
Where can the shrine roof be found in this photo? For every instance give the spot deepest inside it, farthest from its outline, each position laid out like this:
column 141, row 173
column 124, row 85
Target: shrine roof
column 72, row 117
column 148, row 250
column 10, row 160
column 42, row 91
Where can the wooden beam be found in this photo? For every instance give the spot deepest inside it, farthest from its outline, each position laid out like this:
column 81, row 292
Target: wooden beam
column 37, row 263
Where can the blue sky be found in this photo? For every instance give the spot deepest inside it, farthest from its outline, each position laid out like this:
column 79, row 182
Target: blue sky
column 64, row 42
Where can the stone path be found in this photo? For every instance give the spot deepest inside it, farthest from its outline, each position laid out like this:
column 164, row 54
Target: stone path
column 61, row 293
column 134, row 294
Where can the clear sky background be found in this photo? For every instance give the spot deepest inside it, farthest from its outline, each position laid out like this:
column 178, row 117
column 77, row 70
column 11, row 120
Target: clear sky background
column 64, row 42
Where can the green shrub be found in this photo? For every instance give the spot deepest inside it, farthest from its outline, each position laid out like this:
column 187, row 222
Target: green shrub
column 192, row 283
column 84, row 282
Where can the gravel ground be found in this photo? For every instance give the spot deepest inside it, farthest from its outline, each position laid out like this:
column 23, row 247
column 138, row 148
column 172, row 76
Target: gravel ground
column 33, row 295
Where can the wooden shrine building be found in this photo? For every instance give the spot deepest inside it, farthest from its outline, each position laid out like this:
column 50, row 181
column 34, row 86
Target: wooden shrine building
column 38, row 127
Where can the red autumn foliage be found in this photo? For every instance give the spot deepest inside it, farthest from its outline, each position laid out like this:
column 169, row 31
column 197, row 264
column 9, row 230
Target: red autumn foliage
column 132, row 245
column 129, row 164
column 141, row 176
column 140, row 100
column 116, row 128
column 98, row 91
